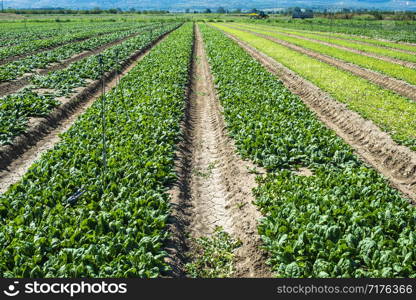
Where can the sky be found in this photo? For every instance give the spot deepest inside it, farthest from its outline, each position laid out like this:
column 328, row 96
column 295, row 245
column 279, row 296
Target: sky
column 182, row 4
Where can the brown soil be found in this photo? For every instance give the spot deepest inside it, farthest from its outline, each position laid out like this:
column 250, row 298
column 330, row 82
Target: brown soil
column 43, row 133
column 13, row 86
column 398, row 86
column 304, row 172
column 397, row 163
column 214, row 186
column 368, row 54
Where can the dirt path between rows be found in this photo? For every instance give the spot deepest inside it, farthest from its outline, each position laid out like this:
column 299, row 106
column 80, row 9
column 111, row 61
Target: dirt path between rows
column 215, row 186
column 13, row 86
column 364, row 53
column 401, row 87
column 44, row 133
column 397, row 163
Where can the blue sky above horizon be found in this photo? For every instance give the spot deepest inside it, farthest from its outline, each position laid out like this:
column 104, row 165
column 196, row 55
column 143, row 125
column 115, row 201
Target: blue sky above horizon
column 198, row 4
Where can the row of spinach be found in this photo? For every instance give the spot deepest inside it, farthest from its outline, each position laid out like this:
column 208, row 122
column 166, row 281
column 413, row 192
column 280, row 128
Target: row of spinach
column 117, row 227
column 62, row 36
column 42, row 60
column 326, row 214
column 16, row 109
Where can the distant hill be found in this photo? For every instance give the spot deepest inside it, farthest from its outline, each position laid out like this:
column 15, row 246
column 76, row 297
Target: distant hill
column 212, row 4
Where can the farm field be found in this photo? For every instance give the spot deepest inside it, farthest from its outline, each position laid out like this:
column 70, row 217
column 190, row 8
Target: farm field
column 47, row 88
column 396, row 31
column 14, row 69
column 401, row 70
column 167, row 148
column 36, row 42
column 387, row 109
column 396, row 55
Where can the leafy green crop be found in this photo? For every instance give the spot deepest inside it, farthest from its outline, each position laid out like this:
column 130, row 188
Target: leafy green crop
column 62, row 82
column 57, row 37
column 375, row 64
column 118, row 226
column 341, row 42
column 344, row 220
column 213, row 256
column 15, row 109
column 355, row 29
column 391, row 112
column 89, row 68
column 41, row 60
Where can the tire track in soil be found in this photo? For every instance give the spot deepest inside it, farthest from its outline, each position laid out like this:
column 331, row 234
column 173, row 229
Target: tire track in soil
column 214, row 186
column 10, row 87
column 375, row 147
column 399, row 86
column 403, row 63
column 46, row 131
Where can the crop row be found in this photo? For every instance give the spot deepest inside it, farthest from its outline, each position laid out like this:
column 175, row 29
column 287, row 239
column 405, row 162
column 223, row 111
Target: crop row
column 377, row 42
column 77, row 74
column 17, row 33
column 349, row 44
column 62, row 38
column 385, row 67
column 17, row 108
column 41, row 60
column 342, row 221
column 117, row 228
column 391, row 112
column 10, row 36
column 391, row 30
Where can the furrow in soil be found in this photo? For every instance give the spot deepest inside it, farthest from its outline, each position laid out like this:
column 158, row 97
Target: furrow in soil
column 215, row 188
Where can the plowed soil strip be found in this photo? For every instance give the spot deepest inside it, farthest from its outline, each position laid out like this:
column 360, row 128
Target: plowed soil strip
column 397, row 163
column 368, row 54
column 13, row 86
column 215, row 185
column 398, row 86
column 43, row 134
